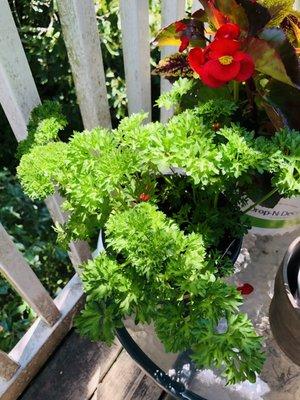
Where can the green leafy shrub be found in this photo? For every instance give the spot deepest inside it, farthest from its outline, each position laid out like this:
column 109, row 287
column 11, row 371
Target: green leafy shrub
column 168, row 198
column 30, row 226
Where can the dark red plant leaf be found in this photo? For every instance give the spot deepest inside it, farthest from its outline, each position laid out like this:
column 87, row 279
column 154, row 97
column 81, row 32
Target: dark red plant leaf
column 190, row 28
column 274, row 55
column 245, row 289
column 234, row 11
column 251, row 16
column 200, row 15
column 215, row 16
column 275, row 115
column 285, row 101
column 278, row 40
column 174, row 66
column 258, row 16
column 291, row 27
column 168, row 36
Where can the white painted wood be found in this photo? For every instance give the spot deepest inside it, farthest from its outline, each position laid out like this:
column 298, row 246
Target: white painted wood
column 297, row 5
column 196, row 5
column 81, row 36
column 18, row 96
column 18, row 93
column 136, row 50
column 8, row 366
column 14, row 267
column 172, row 10
column 33, row 350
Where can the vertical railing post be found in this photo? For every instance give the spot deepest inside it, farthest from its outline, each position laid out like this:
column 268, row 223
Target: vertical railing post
column 172, row 10
column 18, row 96
column 136, row 52
column 81, row 36
column 18, row 93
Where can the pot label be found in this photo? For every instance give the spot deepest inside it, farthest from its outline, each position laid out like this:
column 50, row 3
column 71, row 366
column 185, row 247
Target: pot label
column 284, row 217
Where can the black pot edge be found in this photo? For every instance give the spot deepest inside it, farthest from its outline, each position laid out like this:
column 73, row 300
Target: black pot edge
column 172, row 387
column 237, row 246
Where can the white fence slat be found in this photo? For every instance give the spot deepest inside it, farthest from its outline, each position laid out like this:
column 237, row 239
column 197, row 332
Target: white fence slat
column 18, row 93
column 172, row 10
column 18, row 96
column 81, row 36
column 8, row 367
column 196, row 5
column 34, row 348
column 136, row 50
column 14, row 267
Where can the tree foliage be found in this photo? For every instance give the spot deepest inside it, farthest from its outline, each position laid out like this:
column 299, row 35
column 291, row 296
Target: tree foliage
column 30, row 225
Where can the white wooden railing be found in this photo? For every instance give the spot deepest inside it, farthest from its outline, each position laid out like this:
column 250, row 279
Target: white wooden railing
column 18, row 96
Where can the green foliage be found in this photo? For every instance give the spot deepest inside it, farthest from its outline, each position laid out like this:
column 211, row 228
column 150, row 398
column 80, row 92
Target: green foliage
column 36, row 181
column 154, row 272
column 173, row 97
column 30, row 226
column 46, row 121
column 288, row 179
column 279, row 9
column 128, row 161
column 168, row 198
column 238, row 349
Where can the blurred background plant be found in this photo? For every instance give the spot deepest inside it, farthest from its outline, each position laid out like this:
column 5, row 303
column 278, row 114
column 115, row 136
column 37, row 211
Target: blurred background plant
column 29, row 223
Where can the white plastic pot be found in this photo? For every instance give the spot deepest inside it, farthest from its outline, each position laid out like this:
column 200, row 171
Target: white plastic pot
column 283, row 218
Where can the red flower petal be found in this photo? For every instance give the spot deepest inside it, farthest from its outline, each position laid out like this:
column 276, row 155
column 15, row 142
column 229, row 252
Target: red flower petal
column 180, row 26
column 247, row 66
column 223, row 72
column 196, row 59
column 208, row 79
column 228, row 31
column 144, row 197
column 223, row 47
column 245, row 289
column 184, row 43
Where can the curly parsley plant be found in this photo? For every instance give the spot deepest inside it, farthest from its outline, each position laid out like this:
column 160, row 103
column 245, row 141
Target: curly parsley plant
column 168, row 198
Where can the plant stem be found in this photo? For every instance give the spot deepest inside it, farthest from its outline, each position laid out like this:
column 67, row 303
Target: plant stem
column 194, row 197
column 216, row 200
column 236, row 90
column 266, row 197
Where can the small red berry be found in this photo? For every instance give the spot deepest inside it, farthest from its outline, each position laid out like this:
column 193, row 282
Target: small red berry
column 145, row 197
column 216, row 126
column 245, row 289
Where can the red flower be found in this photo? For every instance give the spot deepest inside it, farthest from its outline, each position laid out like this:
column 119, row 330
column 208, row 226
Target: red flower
column 144, row 197
column 245, row 289
column 228, row 31
column 221, row 62
column 180, row 26
column 185, row 41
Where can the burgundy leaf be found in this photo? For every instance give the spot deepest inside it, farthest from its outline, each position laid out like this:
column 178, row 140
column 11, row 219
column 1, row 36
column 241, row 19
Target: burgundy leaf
column 258, row 15
column 285, row 100
column 174, row 66
column 278, row 40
